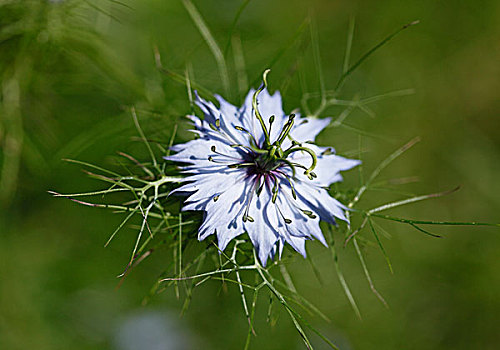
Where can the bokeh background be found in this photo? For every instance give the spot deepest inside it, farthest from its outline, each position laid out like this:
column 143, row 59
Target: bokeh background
column 70, row 70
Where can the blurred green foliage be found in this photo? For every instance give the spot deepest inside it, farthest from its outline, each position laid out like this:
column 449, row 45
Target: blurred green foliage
column 69, row 70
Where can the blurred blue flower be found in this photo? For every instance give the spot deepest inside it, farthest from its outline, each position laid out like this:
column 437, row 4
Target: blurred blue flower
column 260, row 176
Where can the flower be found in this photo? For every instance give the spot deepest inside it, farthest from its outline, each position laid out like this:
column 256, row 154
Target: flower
column 266, row 179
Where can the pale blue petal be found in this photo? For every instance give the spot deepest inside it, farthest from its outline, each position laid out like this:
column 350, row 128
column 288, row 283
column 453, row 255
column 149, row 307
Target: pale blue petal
column 302, row 225
column 306, row 129
column 328, row 166
column 223, row 214
column 262, row 230
column 321, row 202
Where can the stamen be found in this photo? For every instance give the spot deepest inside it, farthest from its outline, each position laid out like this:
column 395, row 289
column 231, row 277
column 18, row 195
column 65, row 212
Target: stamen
column 311, row 175
column 275, row 189
column 217, row 128
column 246, row 217
column 310, row 214
column 240, row 128
column 291, row 165
column 253, row 141
column 216, row 198
column 261, row 187
column 240, row 165
column 214, row 150
column 286, row 130
column 294, row 143
column 294, row 194
column 271, row 121
column 327, row 152
column 251, row 149
column 287, row 221
column 235, row 165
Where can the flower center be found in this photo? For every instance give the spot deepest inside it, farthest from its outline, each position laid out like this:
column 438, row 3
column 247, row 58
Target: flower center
column 264, row 160
column 264, row 164
column 271, row 156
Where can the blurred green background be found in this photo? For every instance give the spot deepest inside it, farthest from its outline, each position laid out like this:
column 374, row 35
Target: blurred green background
column 70, row 70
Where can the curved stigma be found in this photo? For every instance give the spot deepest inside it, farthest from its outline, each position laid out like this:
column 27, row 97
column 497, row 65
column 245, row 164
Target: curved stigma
column 309, row 170
column 254, row 105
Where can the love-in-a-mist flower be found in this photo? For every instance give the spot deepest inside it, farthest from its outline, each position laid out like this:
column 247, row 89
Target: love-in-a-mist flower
column 254, row 169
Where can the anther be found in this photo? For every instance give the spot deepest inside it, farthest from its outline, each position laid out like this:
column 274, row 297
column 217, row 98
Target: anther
column 240, row 128
column 327, row 152
column 311, row 175
column 212, row 148
column 275, row 190
column 292, row 188
column 259, row 189
column 271, row 121
column 248, row 218
column 239, row 165
column 288, row 221
column 253, row 141
column 216, row 198
column 310, row 214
